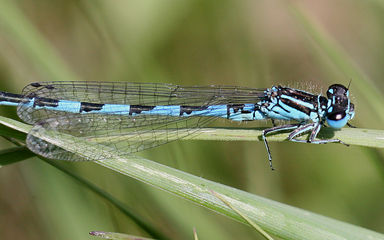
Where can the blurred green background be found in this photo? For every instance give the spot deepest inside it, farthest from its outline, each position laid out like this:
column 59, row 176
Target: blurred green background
column 247, row 43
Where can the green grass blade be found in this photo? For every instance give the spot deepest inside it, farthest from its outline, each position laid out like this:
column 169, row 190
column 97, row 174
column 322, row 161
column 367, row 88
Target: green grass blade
column 279, row 219
column 117, row 236
column 249, row 221
column 141, row 221
column 13, row 155
column 352, row 136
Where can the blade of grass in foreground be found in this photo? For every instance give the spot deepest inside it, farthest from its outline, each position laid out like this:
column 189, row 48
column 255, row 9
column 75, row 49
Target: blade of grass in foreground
column 116, row 236
column 249, row 221
column 276, row 218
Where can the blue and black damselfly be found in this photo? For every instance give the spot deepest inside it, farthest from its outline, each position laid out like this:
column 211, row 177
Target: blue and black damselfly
column 131, row 117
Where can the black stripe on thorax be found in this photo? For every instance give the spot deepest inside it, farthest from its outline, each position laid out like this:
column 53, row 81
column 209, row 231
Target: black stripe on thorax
column 297, row 106
column 301, row 96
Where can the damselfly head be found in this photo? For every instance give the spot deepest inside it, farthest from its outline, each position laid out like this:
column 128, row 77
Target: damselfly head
column 340, row 109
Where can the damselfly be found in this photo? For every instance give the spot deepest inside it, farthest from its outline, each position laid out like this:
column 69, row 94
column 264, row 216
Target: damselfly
column 131, row 117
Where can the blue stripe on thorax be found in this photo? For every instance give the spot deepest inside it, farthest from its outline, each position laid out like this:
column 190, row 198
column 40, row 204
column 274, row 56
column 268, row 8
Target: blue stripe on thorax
column 298, row 101
column 282, row 111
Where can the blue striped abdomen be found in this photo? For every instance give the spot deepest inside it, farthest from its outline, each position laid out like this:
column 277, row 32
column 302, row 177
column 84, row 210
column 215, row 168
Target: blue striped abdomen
column 240, row 112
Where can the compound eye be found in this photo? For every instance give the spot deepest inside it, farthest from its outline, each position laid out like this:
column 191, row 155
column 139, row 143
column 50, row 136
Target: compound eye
column 337, row 120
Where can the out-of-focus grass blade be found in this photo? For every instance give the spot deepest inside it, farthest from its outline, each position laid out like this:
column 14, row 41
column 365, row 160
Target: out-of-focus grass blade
column 13, row 155
column 339, row 57
column 13, row 130
column 18, row 28
column 195, row 234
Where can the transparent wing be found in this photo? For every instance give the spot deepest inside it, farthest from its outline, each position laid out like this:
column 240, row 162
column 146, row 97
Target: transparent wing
column 144, row 94
column 126, row 134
